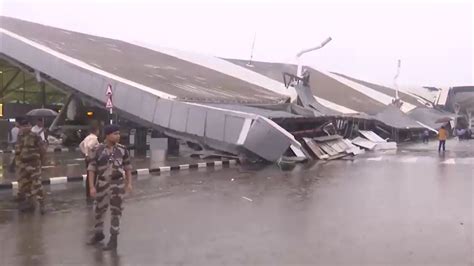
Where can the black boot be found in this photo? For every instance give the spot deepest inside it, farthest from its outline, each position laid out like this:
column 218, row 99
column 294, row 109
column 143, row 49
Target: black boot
column 97, row 238
column 112, row 245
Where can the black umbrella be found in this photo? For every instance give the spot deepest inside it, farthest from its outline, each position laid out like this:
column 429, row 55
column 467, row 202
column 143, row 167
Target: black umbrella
column 43, row 112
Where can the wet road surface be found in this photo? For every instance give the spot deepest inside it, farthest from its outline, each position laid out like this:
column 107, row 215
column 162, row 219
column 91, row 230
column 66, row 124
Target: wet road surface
column 411, row 207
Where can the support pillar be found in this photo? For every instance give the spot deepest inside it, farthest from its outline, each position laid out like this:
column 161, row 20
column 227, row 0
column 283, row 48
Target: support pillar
column 162, row 147
column 140, row 141
column 62, row 113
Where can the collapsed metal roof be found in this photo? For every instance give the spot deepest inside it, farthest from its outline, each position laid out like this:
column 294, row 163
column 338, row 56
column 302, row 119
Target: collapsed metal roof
column 386, row 90
column 172, row 77
column 228, row 112
column 394, row 117
column 149, row 87
column 327, row 86
column 429, row 116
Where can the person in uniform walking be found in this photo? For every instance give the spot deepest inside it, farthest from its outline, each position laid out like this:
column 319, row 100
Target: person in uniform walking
column 29, row 157
column 86, row 147
column 110, row 163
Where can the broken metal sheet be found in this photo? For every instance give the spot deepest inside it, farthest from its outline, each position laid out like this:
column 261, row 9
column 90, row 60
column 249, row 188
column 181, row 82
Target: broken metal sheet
column 352, row 148
column 335, row 146
column 327, row 138
column 364, row 143
column 268, row 140
column 279, row 111
column 323, row 85
column 406, row 97
column 370, row 135
column 306, row 97
column 328, row 149
column 297, row 151
column 342, row 145
column 428, row 116
column 394, row 117
column 337, row 156
column 428, row 127
column 315, row 149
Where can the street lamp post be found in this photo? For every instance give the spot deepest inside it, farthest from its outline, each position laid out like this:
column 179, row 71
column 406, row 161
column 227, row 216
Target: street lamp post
column 302, row 52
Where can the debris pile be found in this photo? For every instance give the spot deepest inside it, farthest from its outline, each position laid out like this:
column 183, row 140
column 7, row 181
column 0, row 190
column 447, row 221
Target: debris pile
column 373, row 142
column 330, row 147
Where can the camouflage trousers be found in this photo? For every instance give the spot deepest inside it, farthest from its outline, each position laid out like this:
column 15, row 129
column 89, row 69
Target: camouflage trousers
column 109, row 193
column 29, row 182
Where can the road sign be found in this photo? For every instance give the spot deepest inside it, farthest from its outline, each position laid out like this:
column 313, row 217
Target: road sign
column 109, row 104
column 109, row 91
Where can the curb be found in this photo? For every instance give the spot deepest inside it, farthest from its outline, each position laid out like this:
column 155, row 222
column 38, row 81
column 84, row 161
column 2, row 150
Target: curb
column 55, row 150
column 138, row 172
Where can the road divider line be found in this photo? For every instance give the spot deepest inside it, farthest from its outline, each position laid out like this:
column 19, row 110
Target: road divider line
column 143, row 171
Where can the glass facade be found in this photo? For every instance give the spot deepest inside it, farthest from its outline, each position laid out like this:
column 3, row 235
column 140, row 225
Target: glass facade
column 17, row 86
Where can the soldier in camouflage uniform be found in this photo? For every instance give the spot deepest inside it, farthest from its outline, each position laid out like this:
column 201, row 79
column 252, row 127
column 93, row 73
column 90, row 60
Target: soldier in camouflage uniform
column 29, row 156
column 110, row 163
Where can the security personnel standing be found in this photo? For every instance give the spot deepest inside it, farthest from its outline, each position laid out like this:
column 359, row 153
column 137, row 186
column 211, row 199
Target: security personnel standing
column 110, row 163
column 29, row 157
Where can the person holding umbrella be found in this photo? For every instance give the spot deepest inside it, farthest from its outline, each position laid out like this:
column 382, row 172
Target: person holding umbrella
column 39, row 129
column 40, row 114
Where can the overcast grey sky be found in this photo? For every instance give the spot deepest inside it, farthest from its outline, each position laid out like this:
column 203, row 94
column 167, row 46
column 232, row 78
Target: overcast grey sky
column 434, row 40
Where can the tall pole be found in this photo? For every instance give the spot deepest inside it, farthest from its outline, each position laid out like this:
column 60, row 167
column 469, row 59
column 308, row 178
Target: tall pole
column 109, row 104
column 111, row 116
column 395, row 79
column 302, row 52
column 251, row 51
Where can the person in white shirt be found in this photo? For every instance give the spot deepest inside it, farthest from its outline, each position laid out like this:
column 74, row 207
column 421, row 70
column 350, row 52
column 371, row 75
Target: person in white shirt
column 86, row 147
column 14, row 133
column 39, row 129
column 13, row 140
